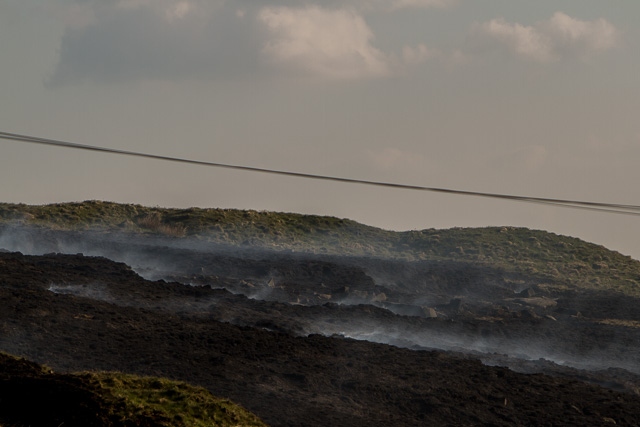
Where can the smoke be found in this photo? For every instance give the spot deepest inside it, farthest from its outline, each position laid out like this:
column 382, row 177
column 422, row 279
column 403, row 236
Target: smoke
column 416, row 305
column 492, row 350
column 93, row 291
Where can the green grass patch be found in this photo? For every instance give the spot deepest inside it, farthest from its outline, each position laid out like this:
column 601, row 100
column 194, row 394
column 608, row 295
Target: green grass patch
column 558, row 260
column 109, row 399
column 177, row 403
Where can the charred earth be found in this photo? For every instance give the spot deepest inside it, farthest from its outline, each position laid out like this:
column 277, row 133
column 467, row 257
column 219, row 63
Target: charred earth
column 317, row 338
column 75, row 312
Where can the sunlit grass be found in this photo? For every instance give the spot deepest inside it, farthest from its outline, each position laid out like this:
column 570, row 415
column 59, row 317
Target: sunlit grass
column 558, row 261
column 178, row 403
column 123, row 399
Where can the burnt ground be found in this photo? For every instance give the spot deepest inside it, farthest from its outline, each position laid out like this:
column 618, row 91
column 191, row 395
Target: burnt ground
column 286, row 353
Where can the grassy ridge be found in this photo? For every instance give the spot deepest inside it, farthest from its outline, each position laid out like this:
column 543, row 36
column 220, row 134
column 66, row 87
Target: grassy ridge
column 108, row 399
column 563, row 261
column 177, row 403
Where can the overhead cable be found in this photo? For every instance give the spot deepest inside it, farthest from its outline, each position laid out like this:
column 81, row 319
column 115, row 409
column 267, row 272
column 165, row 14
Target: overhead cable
column 574, row 204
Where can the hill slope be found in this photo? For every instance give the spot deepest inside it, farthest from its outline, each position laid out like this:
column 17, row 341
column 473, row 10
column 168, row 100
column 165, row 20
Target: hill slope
column 107, row 399
column 171, row 330
column 564, row 262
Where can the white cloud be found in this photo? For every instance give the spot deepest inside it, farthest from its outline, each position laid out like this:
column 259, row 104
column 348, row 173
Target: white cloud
column 524, row 41
column 590, row 36
column 330, row 43
column 546, row 41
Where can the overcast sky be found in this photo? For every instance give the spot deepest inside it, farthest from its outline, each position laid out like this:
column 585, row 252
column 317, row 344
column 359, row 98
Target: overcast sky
column 537, row 98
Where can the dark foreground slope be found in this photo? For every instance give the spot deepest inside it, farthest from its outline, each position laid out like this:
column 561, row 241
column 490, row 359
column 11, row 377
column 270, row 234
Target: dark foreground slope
column 286, row 380
column 33, row 395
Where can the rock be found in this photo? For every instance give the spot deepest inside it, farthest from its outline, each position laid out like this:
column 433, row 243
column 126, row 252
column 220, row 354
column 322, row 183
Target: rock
column 527, row 293
column 429, row 312
column 379, row 297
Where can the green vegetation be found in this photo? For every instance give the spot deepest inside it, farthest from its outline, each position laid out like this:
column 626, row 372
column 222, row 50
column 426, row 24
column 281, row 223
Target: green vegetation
column 178, row 403
column 109, row 399
column 559, row 260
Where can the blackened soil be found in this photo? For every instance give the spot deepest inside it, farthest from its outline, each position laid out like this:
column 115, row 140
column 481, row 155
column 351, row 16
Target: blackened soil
column 74, row 313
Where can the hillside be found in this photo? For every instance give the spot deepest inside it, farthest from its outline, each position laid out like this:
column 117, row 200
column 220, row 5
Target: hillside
column 78, row 313
column 102, row 399
column 314, row 321
column 563, row 262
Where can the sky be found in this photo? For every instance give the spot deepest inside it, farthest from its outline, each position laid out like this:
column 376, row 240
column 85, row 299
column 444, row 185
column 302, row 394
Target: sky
column 537, row 99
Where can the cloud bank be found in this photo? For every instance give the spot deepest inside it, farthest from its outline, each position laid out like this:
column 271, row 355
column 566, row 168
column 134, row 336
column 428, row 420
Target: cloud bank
column 129, row 40
column 326, row 43
column 557, row 38
column 132, row 40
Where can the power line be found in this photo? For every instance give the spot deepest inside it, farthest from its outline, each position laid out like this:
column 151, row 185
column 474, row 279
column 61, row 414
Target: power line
column 574, row 204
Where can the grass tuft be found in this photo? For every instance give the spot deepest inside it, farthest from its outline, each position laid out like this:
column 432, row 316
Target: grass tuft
column 177, row 403
column 153, row 222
